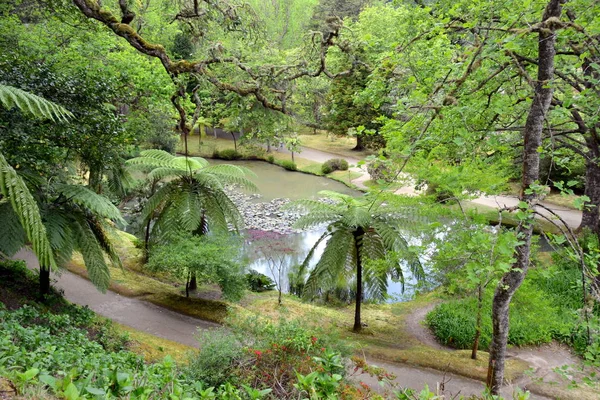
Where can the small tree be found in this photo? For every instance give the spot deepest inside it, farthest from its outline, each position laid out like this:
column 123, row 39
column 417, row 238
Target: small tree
column 364, row 239
column 212, row 259
column 472, row 257
column 273, row 248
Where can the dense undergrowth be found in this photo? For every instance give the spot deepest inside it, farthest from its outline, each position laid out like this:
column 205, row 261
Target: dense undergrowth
column 547, row 307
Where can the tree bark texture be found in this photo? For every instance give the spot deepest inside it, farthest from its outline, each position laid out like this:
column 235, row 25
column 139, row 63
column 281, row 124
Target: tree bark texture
column 358, row 234
column 590, row 218
column 532, row 133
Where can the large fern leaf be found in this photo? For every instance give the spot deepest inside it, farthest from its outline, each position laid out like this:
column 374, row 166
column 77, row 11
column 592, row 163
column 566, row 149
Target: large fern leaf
column 91, row 200
column 27, row 211
column 27, row 102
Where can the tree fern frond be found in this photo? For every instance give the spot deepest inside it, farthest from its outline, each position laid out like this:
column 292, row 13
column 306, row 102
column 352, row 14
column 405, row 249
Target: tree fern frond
column 59, row 227
column 26, row 209
column 91, row 200
column 92, row 254
column 332, row 263
column 161, row 173
column 157, row 199
column 101, row 237
column 27, row 102
column 12, row 234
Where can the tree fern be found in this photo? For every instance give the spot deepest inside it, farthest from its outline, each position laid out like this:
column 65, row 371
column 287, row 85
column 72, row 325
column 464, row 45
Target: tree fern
column 26, row 209
column 193, row 195
column 363, row 239
column 27, row 102
column 96, row 203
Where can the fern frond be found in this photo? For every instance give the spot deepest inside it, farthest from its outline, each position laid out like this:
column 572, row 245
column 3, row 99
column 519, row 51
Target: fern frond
column 333, row 263
column 35, row 105
column 92, row 254
column 27, row 211
column 161, row 173
column 12, row 234
column 96, row 203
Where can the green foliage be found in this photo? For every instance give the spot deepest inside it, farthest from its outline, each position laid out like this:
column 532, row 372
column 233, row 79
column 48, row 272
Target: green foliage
column 193, row 197
column 221, row 353
column 227, row 154
column 259, row 282
column 335, row 164
column 362, row 233
column 211, row 259
column 271, row 159
column 534, row 318
column 287, row 164
column 27, row 215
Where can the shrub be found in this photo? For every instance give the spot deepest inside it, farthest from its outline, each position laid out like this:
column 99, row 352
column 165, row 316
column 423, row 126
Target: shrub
column 271, row 158
column 289, row 165
column 335, row 164
column 381, row 170
column 220, row 354
column 227, row 154
column 259, row 282
column 532, row 320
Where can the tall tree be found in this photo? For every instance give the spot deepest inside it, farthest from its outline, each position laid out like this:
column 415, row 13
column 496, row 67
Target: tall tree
column 364, row 241
column 532, row 137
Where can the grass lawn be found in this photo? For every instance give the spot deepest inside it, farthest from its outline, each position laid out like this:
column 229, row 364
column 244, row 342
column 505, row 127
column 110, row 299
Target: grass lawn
column 333, row 144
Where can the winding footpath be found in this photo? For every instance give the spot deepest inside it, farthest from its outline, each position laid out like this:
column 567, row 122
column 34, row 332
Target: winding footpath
column 571, row 216
column 158, row 321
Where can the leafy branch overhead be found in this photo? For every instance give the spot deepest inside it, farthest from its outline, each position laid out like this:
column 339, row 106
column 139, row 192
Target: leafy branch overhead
column 267, row 83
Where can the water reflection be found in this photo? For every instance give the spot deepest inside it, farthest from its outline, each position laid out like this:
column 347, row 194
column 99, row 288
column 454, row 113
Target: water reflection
column 280, row 263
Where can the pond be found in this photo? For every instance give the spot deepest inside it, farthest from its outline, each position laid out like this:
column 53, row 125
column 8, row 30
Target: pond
column 276, row 182
column 286, row 251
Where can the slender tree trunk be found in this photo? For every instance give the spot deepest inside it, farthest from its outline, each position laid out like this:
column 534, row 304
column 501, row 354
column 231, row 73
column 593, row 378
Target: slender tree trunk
column 187, row 285
column 358, row 234
column 477, row 323
column 44, row 281
column 511, row 280
column 293, row 157
column 590, row 218
column 235, row 140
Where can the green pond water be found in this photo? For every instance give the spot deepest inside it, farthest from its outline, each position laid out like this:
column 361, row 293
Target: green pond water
column 275, row 182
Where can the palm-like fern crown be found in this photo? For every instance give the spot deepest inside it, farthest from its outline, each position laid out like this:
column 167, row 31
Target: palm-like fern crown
column 74, row 219
column 193, row 194
column 358, row 228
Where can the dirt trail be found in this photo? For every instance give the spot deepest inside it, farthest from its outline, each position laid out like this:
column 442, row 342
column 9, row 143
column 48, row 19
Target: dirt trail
column 138, row 314
column 167, row 324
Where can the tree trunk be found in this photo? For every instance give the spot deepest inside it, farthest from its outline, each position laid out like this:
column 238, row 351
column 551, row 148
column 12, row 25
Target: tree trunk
column 590, row 218
column 187, row 285
column 193, row 282
column 532, row 133
column 360, row 143
column 44, row 281
column 477, row 323
column 358, row 234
